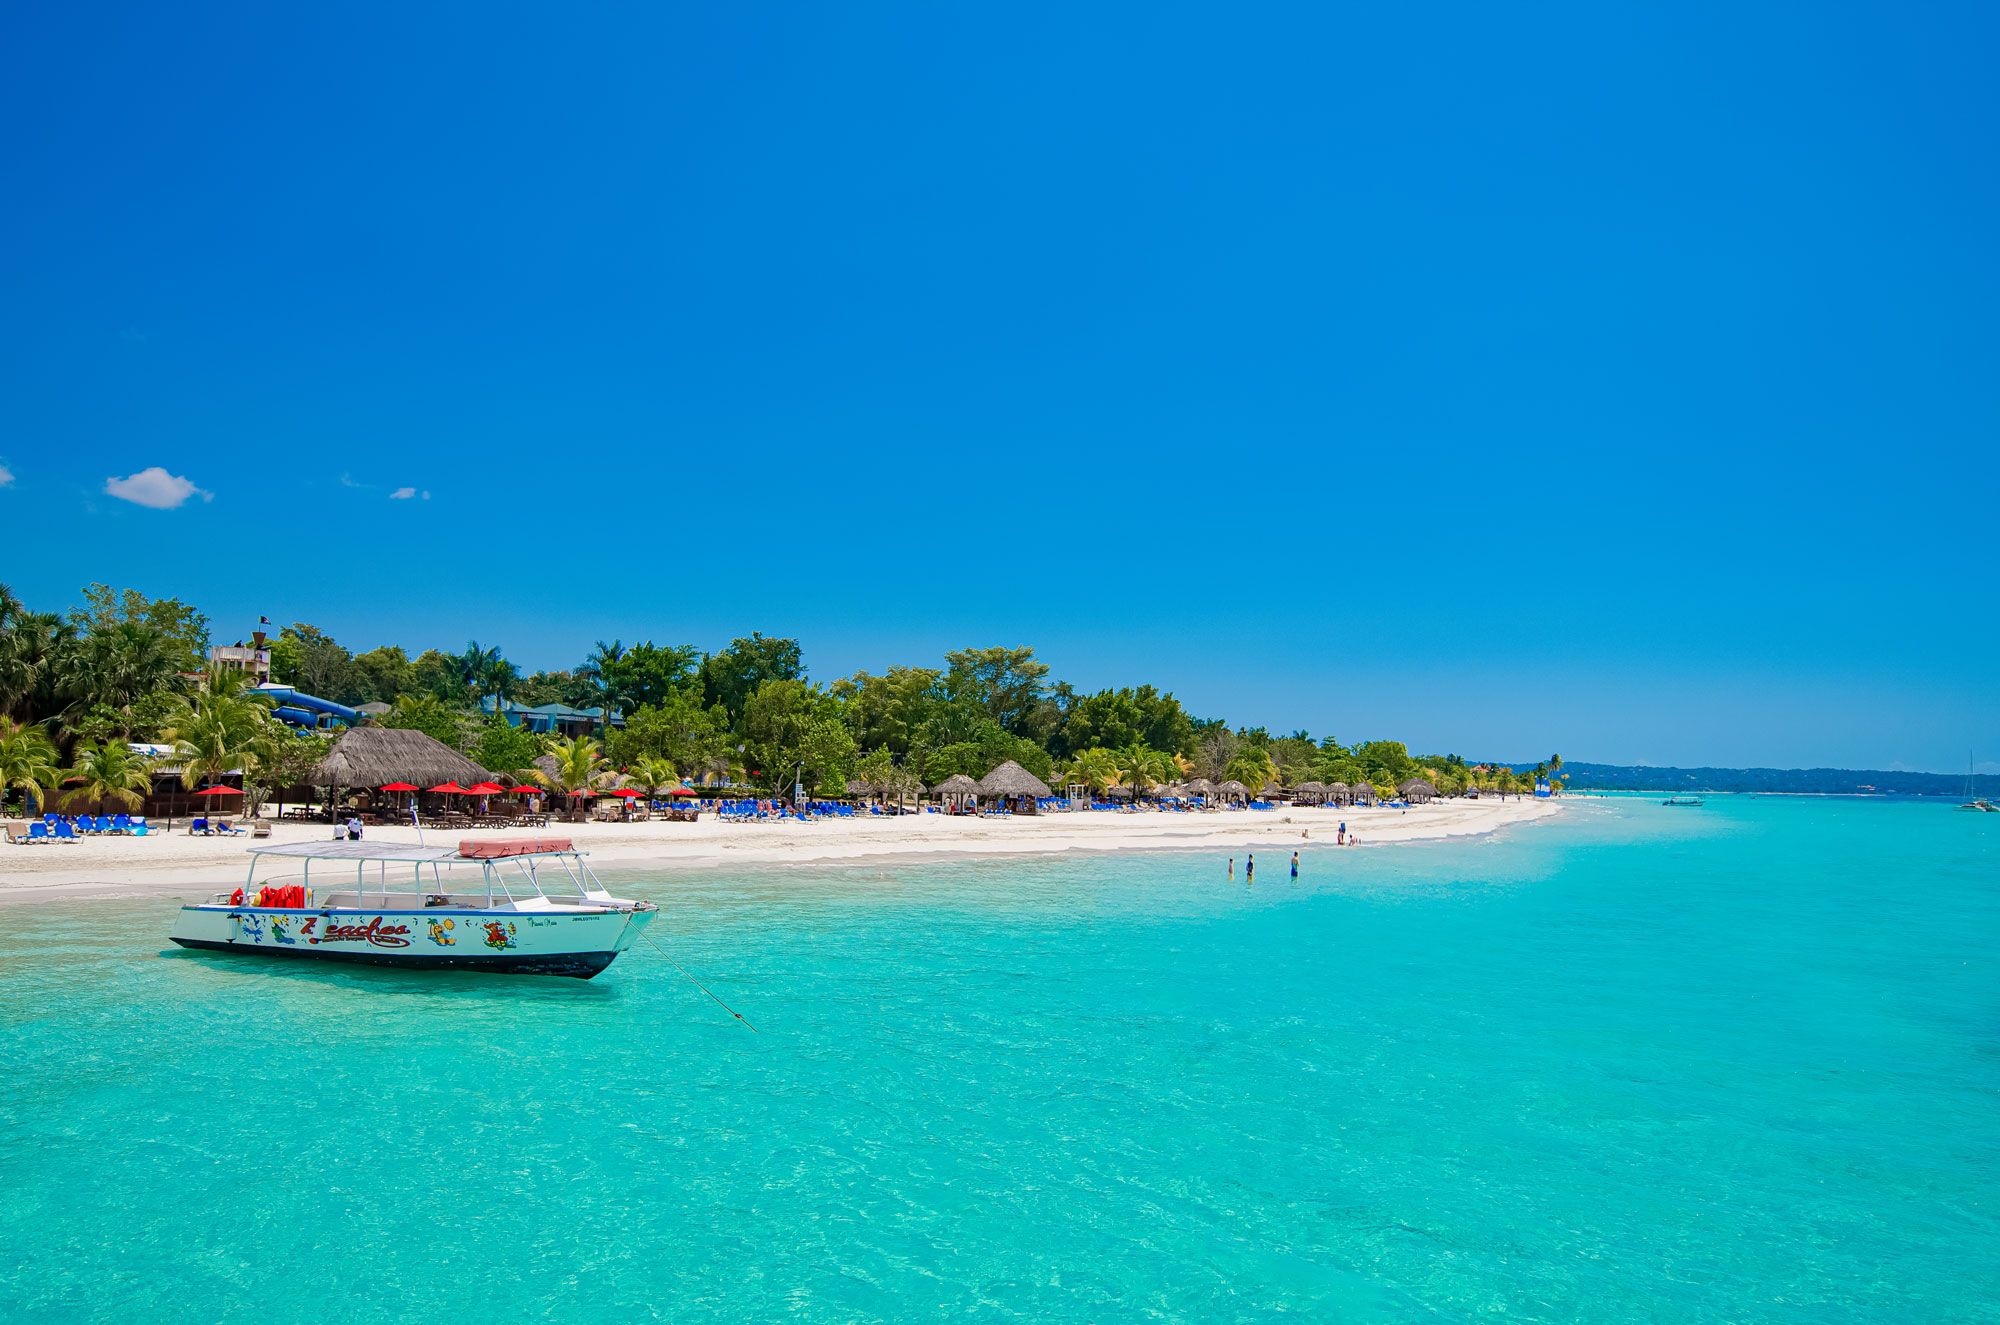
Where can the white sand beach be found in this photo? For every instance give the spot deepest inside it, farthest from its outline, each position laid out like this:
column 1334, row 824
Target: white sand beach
column 171, row 864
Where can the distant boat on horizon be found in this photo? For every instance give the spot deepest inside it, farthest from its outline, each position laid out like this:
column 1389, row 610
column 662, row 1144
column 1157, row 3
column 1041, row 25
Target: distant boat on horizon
column 1972, row 802
column 1682, row 800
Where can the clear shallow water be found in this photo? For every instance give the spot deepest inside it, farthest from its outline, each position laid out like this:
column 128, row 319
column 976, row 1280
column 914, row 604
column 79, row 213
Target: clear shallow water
column 1737, row 1063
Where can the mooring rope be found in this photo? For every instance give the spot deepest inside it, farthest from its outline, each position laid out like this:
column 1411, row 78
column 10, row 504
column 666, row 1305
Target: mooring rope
column 696, row 983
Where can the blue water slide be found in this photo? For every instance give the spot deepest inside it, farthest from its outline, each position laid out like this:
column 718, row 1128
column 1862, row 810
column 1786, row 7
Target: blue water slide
column 304, row 710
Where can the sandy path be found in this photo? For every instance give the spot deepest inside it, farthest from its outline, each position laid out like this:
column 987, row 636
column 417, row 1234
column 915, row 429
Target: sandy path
column 170, row 864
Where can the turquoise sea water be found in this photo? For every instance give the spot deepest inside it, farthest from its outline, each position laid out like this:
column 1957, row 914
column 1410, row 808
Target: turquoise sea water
column 1639, row 1064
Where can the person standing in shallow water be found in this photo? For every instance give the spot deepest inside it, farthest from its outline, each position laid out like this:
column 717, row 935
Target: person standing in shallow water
column 1295, row 864
column 1232, row 867
column 1249, row 869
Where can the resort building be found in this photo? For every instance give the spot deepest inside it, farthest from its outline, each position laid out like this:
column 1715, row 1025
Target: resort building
column 253, row 658
column 561, row 719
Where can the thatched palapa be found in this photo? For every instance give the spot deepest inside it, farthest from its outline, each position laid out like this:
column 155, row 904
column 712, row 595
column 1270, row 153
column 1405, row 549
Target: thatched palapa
column 1416, row 789
column 1232, row 788
column 958, row 784
column 1200, row 787
column 376, row 756
column 1010, row 779
column 1309, row 793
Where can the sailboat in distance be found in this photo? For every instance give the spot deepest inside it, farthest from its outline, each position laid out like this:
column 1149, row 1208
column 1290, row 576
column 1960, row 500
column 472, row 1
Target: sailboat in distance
column 1972, row 802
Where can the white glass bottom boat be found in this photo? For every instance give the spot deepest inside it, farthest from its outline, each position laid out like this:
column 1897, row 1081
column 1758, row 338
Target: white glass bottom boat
column 522, row 907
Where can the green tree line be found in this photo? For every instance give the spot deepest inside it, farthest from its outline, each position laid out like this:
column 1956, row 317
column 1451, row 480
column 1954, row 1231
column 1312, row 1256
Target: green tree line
column 121, row 667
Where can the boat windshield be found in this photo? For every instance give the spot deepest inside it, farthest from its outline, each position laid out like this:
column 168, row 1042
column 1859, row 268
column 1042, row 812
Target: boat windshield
column 403, row 875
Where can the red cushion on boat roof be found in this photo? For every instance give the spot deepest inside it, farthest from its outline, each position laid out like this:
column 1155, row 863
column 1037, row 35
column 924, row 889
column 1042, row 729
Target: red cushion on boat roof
column 494, row 849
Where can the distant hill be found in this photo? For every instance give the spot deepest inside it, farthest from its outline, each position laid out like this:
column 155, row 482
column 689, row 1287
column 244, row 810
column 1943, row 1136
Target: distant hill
column 1817, row 781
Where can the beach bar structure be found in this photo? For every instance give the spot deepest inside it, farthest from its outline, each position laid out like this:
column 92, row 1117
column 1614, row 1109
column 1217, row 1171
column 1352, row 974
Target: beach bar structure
column 956, row 790
column 1014, row 787
column 1416, row 791
column 370, row 758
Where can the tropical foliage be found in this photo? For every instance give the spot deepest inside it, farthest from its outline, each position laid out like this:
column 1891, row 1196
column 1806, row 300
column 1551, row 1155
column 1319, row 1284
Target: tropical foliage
column 27, row 762
column 578, row 766
column 222, row 734
column 123, row 667
column 106, row 773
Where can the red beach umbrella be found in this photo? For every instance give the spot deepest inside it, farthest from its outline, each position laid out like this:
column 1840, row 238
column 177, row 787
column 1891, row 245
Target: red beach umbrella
column 626, row 792
column 397, row 786
column 484, row 789
column 527, row 789
column 683, row 791
column 220, row 791
column 449, row 788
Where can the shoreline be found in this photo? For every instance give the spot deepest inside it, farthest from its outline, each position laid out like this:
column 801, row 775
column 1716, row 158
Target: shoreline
column 175, row 864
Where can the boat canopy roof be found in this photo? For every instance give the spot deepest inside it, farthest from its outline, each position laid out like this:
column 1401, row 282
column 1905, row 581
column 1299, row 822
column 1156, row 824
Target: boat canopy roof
column 413, row 853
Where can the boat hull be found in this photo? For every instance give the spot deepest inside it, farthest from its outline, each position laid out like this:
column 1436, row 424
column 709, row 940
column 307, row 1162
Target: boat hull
column 581, row 965
column 577, row 944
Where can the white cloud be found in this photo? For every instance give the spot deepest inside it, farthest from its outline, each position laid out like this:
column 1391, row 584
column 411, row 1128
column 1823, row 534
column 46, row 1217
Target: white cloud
column 6, row 476
column 156, row 488
column 405, row 494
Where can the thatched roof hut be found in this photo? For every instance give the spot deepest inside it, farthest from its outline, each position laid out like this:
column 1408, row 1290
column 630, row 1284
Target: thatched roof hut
column 1362, row 794
column 1011, row 780
column 1416, row 789
column 958, row 784
column 1200, row 787
column 860, row 787
column 376, row 756
column 1337, row 793
column 1118, row 792
column 1309, row 793
column 1232, row 788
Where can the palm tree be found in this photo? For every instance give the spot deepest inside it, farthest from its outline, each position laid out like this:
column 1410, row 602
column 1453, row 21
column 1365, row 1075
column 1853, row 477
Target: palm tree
column 652, row 774
column 27, row 762
column 36, row 652
column 108, row 772
column 220, row 734
column 118, row 664
column 600, row 670
column 499, row 680
column 476, row 666
column 1095, row 768
column 1254, row 769
column 1142, row 769
column 579, row 767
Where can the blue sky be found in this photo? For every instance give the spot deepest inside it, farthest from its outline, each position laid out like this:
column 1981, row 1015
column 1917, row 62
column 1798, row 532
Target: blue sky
column 1621, row 383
